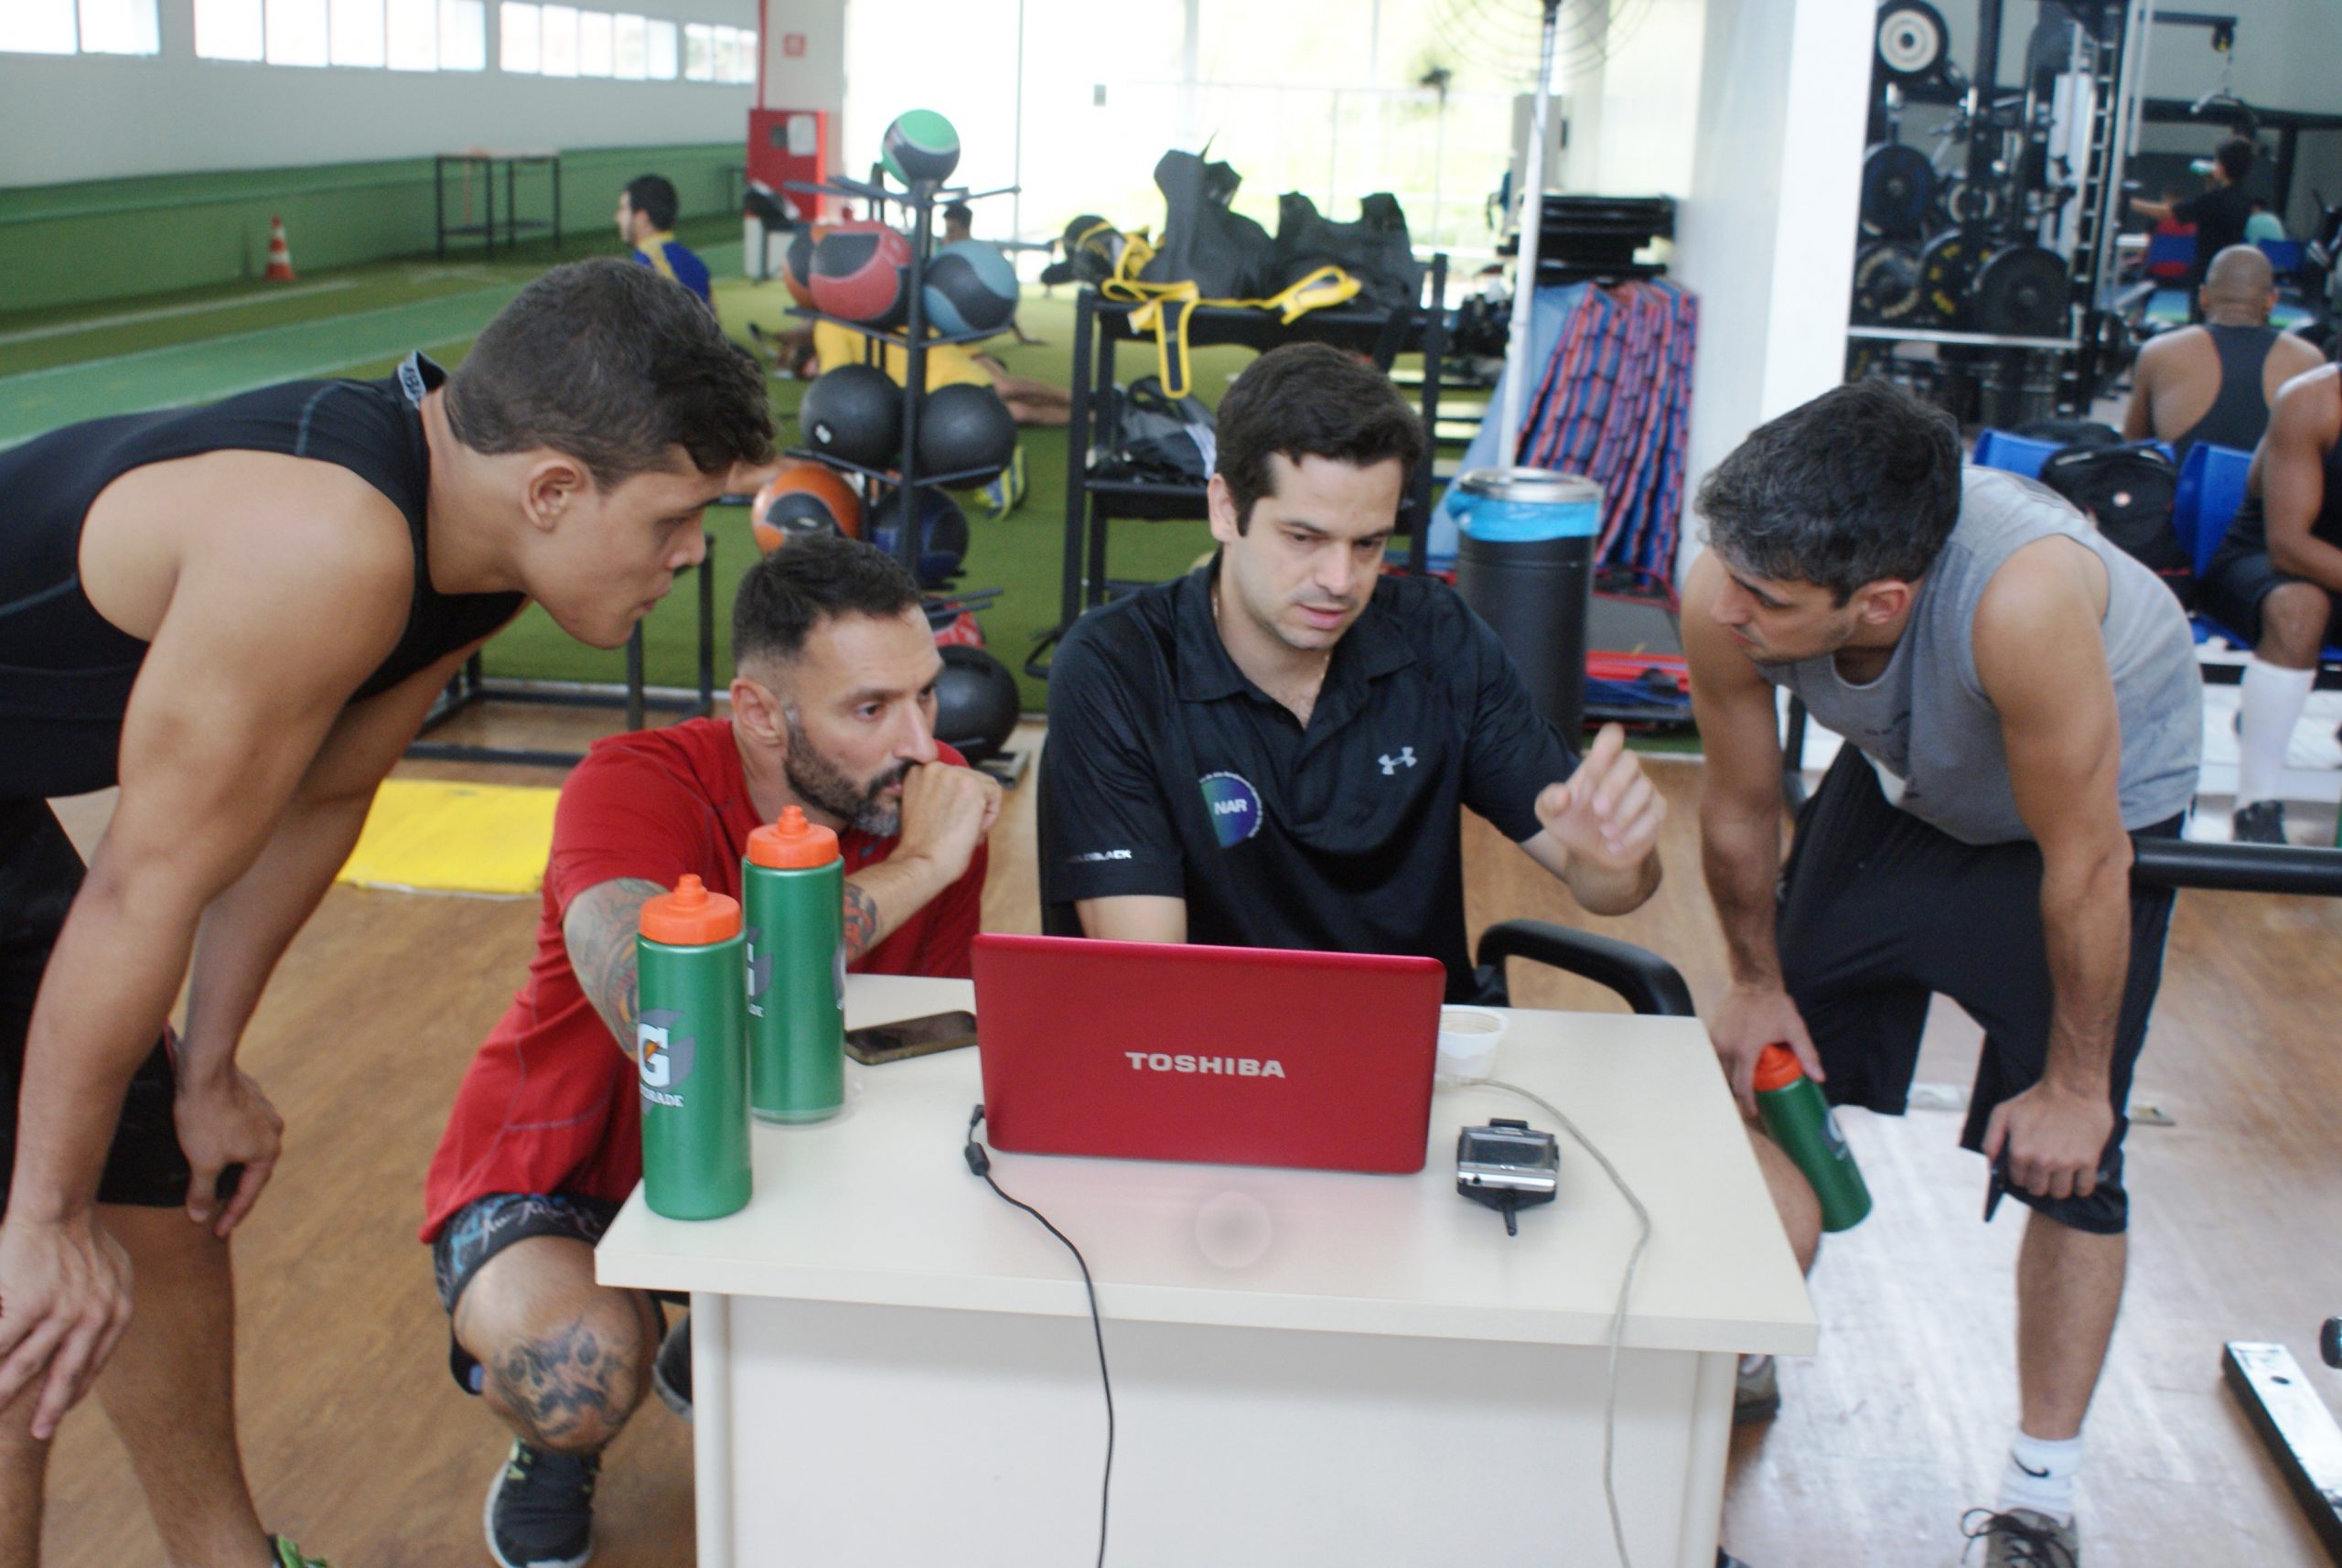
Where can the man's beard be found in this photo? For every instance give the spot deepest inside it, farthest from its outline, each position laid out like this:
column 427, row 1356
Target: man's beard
column 821, row 782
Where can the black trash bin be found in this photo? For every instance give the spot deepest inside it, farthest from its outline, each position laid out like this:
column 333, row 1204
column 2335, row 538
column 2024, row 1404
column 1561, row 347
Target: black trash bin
column 1524, row 562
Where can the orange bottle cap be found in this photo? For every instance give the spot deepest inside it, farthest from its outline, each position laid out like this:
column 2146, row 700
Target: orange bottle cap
column 690, row 916
column 792, row 844
column 1777, row 1067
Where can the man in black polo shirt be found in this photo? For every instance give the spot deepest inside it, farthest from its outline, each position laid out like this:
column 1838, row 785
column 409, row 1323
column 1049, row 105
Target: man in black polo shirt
column 1271, row 751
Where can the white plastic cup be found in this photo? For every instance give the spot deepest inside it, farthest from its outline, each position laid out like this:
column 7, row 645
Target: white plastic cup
column 1467, row 1040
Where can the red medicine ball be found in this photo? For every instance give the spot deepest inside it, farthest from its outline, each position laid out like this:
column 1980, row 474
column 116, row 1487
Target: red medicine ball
column 859, row 274
column 804, row 497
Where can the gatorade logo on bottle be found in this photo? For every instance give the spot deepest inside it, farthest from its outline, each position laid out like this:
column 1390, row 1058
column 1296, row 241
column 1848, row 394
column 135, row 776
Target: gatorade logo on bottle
column 666, row 1063
column 759, row 974
column 1234, row 806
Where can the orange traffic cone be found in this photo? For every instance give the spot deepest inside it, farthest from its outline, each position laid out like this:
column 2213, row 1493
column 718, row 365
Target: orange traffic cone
column 279, row 258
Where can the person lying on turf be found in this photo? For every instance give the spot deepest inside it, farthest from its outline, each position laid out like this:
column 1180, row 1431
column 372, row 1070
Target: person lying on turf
column 832, row 711
column 240, row 613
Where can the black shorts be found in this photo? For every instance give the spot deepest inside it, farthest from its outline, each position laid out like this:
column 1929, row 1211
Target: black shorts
column 1879, row 911
column 39, row 874
column 2234, row 584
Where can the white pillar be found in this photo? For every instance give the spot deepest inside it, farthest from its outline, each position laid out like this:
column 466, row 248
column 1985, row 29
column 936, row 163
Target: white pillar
column 1767, row 236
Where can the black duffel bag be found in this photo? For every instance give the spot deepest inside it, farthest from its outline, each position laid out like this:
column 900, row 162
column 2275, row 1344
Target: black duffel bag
column 1143, row 435
column 1376, row 250
column 2129, row 492
column 1223, row 252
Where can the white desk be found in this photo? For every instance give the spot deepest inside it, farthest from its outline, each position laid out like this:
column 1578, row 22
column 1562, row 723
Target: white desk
column 894, row 1368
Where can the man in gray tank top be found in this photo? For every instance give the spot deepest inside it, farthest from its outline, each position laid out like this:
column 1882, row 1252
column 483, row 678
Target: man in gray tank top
column 2019, row 699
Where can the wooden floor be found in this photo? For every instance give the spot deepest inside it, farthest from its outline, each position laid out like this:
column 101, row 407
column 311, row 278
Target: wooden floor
column 360, row 1446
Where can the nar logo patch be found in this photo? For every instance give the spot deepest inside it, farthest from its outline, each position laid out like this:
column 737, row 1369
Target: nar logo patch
column 1390, row 765
column 1234, row 806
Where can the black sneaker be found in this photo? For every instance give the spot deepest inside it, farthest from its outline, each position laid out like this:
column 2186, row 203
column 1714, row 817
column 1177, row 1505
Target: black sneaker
column 670, row 1374
column 2021, row 1538
column 1756, row 1390
column 2263, row 821
column 540, row 1512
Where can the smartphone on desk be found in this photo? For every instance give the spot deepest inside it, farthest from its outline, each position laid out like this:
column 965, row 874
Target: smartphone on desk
column 910, row 1037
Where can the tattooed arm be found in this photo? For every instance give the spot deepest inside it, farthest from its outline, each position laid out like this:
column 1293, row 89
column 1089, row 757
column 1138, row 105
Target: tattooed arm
column 599, row 931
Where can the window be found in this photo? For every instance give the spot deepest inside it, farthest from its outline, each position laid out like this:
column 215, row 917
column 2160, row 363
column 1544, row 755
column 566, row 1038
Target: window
column 355, row 32
column 414, row 35
column 229, row 30
column 37, row 27
column 629, row 48
column 661, row 57
column 463, row 35
column 517, row 47
column 117, row 28
column 561, row 47
column 594, row 44
column 296, row 32
column 699, row 52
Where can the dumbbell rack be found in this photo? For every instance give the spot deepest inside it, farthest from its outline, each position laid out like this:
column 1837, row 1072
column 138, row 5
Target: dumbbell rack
column 913, row 339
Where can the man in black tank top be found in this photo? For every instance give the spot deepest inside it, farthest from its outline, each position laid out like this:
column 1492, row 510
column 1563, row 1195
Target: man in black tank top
column 240, row 615
column 2276, row 579
column 2213, row 382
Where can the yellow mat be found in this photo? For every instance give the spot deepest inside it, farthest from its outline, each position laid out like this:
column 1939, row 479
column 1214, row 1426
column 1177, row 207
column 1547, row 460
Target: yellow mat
column 486, row 839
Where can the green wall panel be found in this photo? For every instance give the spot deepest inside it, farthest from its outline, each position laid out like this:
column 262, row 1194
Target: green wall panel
column 102, row 239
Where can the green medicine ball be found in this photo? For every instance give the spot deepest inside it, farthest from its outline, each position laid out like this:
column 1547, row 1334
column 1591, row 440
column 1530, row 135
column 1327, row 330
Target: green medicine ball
column 920, row 144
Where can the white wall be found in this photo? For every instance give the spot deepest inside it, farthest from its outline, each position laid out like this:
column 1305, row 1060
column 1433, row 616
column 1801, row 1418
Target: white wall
column 1634, row 116
column 1775, row 183
column 92, row 117
column 814, row 78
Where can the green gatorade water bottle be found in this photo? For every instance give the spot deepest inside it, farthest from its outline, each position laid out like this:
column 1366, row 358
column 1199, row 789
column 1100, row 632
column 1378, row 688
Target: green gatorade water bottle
column 793, row 882
column 1799, row 1120
column 689, row 1031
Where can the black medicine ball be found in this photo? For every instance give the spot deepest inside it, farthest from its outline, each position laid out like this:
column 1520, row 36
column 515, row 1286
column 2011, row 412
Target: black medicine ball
column 965, row 431
column 855, row 413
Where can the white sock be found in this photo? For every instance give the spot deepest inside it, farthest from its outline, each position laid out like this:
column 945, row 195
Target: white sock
column 2041, row 1476
column 2273, row 697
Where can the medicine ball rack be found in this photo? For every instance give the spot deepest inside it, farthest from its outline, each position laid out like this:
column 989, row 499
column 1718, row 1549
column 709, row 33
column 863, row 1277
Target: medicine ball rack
column 913, row 338
column 1092, row 503
column 2042, row 173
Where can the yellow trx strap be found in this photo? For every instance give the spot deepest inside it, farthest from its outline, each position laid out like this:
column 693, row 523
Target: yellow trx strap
column 1165, row 307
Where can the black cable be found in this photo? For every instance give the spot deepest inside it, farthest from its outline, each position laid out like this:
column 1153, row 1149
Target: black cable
column 980, row 1164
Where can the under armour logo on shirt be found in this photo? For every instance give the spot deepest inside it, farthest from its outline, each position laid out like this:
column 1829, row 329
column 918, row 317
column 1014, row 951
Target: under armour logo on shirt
column 1390, row 765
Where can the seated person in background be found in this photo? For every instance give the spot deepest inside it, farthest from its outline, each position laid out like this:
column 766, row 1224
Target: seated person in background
column 833, row 711
column 2214, row 383
column 2218, row 211
column 2019, row 700
column 1271, row 751
column 647, row 211
column 2263, row 224
column 958, row 224
column 2274, row 578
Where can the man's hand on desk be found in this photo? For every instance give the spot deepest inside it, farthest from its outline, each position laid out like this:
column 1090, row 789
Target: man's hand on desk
column 947, row 811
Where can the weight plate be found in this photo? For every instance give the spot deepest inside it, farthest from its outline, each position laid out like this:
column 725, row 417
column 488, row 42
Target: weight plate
column 1910, row 39
column 1967, row 201
column 1886, row 284
column 1898, row 186
column 2022, row 291
column 1947, row 269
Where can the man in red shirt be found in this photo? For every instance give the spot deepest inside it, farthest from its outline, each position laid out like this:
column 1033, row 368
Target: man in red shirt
column 833, row 711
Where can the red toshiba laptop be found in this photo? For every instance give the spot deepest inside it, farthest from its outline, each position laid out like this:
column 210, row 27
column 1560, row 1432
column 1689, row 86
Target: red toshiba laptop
column 1235, row 1055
